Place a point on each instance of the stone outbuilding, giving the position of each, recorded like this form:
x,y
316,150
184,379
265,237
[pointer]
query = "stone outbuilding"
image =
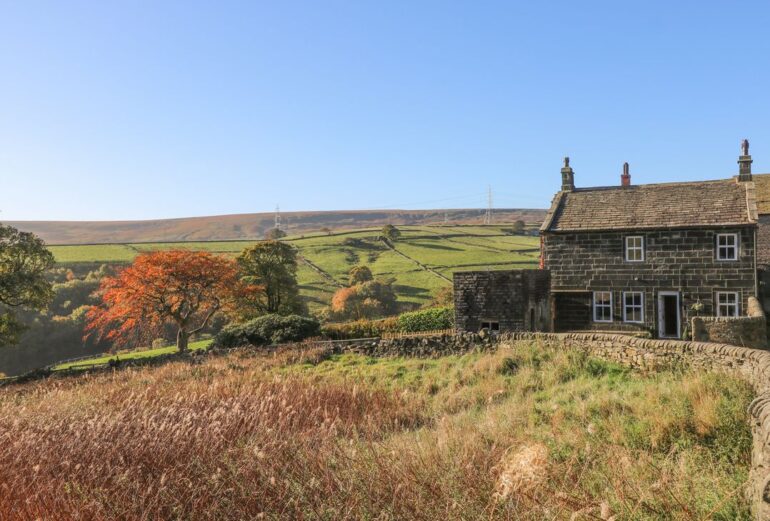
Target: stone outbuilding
x,y
510,300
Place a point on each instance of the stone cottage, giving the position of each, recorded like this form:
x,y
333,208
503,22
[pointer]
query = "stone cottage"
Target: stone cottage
x,y
639,258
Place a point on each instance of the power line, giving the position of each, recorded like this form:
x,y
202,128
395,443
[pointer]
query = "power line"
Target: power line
x,y
488,214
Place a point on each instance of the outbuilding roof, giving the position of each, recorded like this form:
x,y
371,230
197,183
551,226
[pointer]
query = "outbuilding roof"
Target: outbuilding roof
x,y
668,205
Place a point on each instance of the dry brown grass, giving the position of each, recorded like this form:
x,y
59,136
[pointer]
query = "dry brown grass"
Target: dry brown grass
x,y
297,435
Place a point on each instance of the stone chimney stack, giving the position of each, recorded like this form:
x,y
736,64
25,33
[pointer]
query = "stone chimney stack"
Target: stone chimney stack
x,y
744,162
625,178
567,177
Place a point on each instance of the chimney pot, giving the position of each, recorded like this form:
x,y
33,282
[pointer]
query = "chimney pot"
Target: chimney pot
x,y
625,178
744,162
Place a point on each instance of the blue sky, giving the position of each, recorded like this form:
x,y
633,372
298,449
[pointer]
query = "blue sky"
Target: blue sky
x,y
149,109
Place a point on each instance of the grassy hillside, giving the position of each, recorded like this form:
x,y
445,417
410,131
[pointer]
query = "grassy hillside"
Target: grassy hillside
x,y
254,226
527,433
424,257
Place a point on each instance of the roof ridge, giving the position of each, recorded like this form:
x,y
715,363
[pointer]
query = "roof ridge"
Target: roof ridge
x,y
644,185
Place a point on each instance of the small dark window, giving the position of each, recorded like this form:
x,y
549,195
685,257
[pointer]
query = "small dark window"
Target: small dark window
x,y
491,326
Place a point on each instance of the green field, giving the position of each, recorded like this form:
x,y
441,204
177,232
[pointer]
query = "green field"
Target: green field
x,y
137,354
439,249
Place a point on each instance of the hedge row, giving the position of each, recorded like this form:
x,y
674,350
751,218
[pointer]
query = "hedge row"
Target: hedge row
x,y
415,321
276,329
426,320
359,328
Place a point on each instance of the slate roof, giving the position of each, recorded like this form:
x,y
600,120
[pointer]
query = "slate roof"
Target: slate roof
x,y
654,206
762,183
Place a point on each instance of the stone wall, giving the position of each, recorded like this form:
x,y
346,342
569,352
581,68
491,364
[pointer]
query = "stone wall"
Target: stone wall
x,y
675,260
739,331
748,331
516,299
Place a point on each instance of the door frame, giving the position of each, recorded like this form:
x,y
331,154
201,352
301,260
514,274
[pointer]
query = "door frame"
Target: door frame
x,y
661,317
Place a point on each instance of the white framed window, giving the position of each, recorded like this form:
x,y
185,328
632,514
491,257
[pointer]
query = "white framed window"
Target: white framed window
x,y
727,304
633,306
727,246
602,306
634,248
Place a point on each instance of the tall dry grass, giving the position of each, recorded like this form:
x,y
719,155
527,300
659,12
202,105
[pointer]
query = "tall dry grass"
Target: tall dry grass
x,y
528,433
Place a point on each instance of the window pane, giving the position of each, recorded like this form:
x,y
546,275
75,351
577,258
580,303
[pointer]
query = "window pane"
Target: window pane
x,y
602,306
727,304
633,302
634,248
727,247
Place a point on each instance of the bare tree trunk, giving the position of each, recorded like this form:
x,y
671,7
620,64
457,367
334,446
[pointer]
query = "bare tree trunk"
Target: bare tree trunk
x,y
182,340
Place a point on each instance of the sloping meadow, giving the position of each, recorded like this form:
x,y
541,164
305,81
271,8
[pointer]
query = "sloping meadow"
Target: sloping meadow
x,y
528,432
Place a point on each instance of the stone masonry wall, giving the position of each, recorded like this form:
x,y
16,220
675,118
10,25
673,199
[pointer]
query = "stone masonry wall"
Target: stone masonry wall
x,y
573,311
748,331
675,260
516,299
738,331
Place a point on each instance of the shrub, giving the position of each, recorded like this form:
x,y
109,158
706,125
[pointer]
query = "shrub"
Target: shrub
x,y
390,232
267,329
359,275
426,320
359,328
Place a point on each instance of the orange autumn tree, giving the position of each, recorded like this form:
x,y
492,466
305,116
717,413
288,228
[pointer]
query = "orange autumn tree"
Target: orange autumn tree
x,y
179,287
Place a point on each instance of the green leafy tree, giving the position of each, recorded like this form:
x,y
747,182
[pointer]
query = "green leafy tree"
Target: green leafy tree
x,y
359,275
390,232
24,261
271,265
518,226
275,234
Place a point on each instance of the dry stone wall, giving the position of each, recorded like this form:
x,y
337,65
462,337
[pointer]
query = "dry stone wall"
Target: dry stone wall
x,y
748,331
739,331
